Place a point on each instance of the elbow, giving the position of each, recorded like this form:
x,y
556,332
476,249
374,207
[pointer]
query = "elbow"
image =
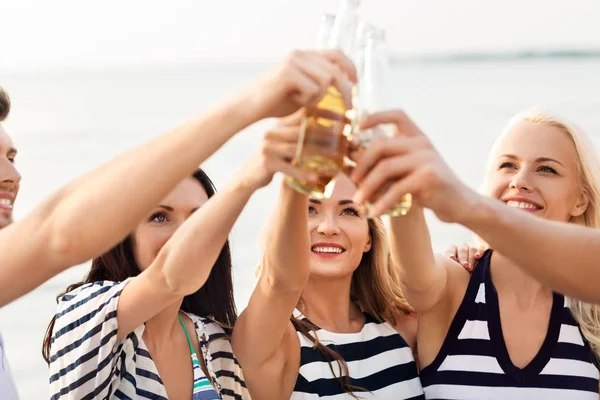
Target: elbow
x,y
63,243
59,232
173,272
286,281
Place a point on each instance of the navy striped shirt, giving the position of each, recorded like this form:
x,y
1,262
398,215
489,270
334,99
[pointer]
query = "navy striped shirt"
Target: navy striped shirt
x,y
473,362
378,358
88,362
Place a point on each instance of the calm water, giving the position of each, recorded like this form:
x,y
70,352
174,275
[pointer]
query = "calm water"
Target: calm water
x,y
67,122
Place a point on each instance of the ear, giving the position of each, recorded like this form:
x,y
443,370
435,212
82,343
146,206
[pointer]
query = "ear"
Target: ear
x,y
582,205
368,245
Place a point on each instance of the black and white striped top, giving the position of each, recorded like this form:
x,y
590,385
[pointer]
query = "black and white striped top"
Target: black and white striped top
x,y
378,358
473,362
87,361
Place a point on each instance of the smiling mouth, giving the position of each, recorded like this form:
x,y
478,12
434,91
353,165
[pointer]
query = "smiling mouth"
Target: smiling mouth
x,y
6,204
327,251
523,205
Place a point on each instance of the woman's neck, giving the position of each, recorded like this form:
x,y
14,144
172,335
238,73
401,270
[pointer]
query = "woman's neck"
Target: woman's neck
x,y
510,280
161,328
326,302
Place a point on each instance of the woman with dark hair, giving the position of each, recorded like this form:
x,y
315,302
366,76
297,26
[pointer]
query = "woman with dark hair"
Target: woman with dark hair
x,y
89,215
162,297
113,336
209,312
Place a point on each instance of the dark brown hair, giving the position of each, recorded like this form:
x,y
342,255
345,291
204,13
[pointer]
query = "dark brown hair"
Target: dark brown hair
x,y
4,104
213,300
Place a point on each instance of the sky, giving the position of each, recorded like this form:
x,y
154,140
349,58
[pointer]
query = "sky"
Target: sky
x,y
76,33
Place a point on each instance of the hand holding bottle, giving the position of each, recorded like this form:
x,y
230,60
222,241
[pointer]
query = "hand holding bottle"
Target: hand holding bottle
x,y
275,154
410,161
302,80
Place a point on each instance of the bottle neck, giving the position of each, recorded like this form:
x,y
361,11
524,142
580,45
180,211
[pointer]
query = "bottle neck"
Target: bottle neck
x,y
344,31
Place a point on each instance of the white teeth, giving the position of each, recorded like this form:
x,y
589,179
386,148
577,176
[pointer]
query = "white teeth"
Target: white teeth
x,y
327,250
5,202
521,204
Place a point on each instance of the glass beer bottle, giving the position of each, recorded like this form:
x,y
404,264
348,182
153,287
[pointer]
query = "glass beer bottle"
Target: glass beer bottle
x,y
374,95
327,127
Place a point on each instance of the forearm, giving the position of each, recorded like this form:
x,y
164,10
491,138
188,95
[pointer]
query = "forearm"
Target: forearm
x,y
423,281
286,261
101,207
88,216
186,260
564,256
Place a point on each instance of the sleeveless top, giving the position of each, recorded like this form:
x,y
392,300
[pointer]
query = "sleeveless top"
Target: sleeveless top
x,y
378,359
473,362
8,389
88,362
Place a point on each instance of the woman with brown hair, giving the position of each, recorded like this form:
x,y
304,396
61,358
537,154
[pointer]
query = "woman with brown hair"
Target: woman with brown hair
x,y
327,317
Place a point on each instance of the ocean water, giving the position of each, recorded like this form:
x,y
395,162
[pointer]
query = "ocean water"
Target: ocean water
x,y
66,122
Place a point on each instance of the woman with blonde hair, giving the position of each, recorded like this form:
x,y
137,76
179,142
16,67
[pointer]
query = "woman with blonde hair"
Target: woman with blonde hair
x,y
497,333
327,317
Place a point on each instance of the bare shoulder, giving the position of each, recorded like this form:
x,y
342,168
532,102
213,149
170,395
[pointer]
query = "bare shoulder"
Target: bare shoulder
x,y
406,326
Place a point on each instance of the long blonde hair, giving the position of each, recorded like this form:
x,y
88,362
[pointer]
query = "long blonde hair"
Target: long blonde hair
x,y
588,168
375,288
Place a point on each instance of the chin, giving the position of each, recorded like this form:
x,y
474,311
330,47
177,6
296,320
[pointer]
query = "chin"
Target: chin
x,y
4,222
332,271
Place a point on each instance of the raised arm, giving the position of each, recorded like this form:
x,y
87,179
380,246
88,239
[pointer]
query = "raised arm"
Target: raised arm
x,y
424,277
184,263
264,339
563,256
91,214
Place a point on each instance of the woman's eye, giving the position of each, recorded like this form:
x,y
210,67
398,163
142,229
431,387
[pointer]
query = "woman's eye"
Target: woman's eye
x,y
507,165
351,211
545,168
158,217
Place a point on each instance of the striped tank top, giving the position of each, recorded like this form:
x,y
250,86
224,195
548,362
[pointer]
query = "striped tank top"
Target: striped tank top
x,y
473,362
378,359
88,362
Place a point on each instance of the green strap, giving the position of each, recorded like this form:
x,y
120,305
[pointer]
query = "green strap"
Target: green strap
x,y
187,335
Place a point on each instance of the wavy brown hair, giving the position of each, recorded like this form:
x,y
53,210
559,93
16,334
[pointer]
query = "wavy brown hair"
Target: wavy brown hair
x,y
213,300
375,288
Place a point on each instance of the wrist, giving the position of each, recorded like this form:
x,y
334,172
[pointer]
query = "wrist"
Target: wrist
x,y
246,105
252,102
475,208
244,186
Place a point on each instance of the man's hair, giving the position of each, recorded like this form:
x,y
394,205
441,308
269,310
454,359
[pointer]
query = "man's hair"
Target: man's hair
x,y
4,104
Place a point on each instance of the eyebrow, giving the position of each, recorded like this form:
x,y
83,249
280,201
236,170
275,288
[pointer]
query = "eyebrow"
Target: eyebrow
x,y
12,150
540,159
341,202
171,209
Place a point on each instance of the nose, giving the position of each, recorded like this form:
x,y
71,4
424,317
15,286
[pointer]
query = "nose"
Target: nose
x,y
328,225
521,181
8,172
